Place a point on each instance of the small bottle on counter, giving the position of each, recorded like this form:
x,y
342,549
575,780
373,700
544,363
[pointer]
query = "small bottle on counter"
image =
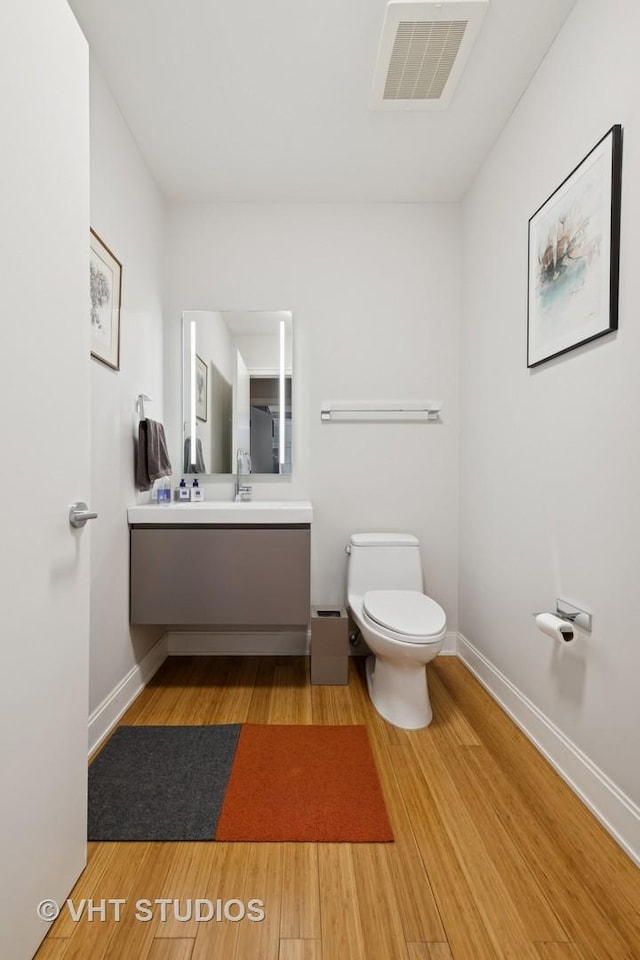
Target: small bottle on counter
x,y
196,491
181,492
164,490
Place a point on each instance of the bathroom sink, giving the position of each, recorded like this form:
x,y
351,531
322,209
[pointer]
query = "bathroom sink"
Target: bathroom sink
x,y
223,511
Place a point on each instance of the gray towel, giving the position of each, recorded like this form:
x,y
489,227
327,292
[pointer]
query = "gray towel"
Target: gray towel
x,y
199,466
153,458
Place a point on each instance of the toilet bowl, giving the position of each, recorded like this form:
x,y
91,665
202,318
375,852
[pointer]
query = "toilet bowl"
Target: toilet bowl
x,y
402,626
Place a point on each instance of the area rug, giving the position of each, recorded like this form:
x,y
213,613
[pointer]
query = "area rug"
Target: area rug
x,y
160,783
304,782
237,782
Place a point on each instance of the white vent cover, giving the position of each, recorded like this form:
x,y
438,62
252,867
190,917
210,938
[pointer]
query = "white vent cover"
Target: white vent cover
x,y
423,50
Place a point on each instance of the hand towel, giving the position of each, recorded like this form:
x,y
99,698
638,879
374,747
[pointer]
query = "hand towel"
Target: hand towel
x,y
198,466
153,457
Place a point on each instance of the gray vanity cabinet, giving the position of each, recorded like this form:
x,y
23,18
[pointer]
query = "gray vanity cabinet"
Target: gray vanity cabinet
x,y
221,575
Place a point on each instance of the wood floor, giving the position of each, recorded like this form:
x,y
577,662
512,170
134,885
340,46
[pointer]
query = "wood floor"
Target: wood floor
x,y
494,857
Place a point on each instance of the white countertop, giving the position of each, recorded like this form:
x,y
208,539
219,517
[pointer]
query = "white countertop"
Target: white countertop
x,y
223,511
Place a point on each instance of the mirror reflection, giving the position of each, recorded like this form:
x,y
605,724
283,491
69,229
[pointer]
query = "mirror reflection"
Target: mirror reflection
x,y
237,387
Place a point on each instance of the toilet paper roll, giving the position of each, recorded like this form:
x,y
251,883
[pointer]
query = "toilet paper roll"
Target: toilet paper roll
x,y
552,626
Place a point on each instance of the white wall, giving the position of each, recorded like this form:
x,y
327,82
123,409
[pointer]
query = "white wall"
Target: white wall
x,y
374,291
260,353
127,212
550,466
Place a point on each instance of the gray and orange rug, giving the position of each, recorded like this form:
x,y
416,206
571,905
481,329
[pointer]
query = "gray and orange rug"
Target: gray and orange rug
x,y
253,782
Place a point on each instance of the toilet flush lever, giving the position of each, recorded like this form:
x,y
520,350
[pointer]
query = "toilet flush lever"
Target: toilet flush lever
x,y
79,513
347,549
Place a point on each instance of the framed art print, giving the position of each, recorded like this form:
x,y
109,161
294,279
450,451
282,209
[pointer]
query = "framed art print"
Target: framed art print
x,y
202,388
574,252
105,288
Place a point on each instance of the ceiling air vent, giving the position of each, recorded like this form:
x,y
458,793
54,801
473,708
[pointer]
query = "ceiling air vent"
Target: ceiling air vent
x,y
423,50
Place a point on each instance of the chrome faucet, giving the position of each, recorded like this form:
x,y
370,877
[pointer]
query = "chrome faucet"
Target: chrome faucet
x,y
243,467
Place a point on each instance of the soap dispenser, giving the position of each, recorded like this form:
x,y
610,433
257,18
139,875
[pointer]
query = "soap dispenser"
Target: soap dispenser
x,y
196,491
182,491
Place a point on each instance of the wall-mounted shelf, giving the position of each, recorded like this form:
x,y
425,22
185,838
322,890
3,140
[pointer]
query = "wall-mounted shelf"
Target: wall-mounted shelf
x,y
380,410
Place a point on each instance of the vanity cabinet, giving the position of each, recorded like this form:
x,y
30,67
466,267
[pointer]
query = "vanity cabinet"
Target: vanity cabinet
x,y
231,575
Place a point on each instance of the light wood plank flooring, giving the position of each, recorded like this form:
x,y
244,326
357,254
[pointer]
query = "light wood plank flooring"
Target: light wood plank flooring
x,y
494,856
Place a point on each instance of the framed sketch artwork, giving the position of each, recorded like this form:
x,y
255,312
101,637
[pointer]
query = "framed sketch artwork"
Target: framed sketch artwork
x,y
201,388
105,288
574,252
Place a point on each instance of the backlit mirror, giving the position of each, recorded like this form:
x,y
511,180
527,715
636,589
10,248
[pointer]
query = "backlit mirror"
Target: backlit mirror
x,y
237,386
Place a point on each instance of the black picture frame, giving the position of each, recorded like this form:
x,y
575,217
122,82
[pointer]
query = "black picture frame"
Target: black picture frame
x,y
574,256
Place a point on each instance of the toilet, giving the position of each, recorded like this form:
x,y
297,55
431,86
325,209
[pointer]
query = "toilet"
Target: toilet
x,y
402,626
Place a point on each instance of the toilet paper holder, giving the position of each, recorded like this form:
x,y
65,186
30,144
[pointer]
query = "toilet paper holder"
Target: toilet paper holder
x,y
575,615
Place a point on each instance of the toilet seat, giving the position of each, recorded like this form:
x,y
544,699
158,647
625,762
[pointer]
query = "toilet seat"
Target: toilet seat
x,y
408,613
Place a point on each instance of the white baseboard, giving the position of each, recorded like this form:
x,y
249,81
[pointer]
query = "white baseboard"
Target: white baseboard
x,y
615,811
105,717
191,643
293,643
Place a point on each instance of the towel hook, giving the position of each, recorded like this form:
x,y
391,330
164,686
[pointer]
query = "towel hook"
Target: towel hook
x,y
141,399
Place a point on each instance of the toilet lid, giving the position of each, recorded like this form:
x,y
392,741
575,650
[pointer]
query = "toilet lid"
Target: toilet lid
x,y
405,611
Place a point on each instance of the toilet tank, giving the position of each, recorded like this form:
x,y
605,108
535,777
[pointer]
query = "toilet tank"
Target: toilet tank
x,y
383,561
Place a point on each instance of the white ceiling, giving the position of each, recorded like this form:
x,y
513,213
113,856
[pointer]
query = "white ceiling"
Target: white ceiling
x,y
268,100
